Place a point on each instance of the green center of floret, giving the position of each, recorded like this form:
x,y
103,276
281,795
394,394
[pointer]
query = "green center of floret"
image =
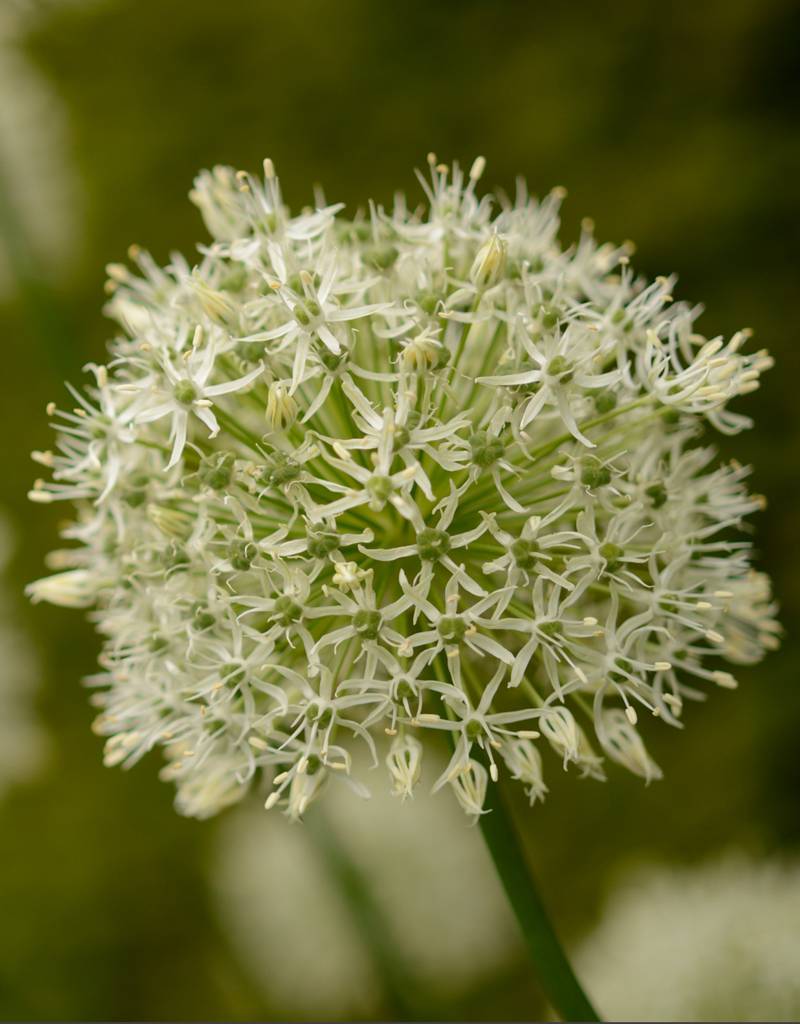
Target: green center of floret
x,y
283,470
185,392
525,553
367,623
432,544
612,553
322,544
486,450
560,366
593,474
217,470
241,554
452,628
286,610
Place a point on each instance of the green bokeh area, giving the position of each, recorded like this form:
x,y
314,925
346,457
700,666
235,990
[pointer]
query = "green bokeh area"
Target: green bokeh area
x,y
673,126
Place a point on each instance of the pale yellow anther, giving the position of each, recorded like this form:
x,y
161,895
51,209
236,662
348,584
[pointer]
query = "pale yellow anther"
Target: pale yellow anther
x,y
477,169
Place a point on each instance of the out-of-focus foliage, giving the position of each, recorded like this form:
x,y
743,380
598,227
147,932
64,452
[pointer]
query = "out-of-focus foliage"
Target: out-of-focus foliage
x,y
674,126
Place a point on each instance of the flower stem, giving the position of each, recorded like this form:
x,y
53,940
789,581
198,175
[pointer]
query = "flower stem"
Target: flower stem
x,y
556,977
553,969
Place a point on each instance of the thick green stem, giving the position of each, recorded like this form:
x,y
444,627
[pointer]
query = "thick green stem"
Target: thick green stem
x,y
555,975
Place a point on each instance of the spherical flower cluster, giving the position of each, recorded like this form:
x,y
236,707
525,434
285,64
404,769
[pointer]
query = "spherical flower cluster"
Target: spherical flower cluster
x,y
419,470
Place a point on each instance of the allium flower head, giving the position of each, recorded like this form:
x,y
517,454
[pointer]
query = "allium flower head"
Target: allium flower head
x,y
423,470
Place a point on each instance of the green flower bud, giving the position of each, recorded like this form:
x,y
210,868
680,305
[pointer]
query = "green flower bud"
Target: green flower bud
x,y
605,401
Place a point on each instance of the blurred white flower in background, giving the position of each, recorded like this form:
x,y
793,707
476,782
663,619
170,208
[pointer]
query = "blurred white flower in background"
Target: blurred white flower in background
x,y
40,193
717,941
22,741
430,876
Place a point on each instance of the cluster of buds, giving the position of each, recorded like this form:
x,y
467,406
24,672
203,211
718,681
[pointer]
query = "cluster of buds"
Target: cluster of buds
x,y
358,481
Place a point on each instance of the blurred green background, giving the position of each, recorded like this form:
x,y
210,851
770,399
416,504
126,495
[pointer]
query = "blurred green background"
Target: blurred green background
x,y
673,125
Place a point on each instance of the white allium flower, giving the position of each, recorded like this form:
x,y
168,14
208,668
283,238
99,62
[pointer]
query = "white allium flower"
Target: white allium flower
x,y
38,178
725,947
407,472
